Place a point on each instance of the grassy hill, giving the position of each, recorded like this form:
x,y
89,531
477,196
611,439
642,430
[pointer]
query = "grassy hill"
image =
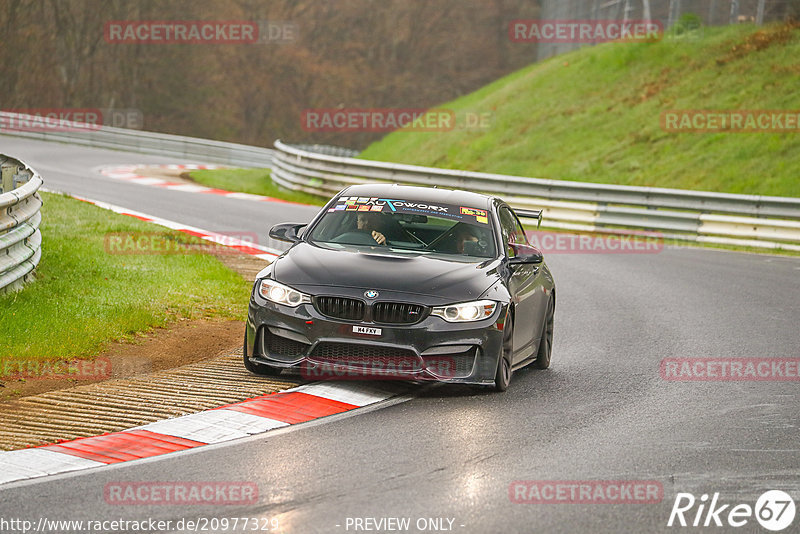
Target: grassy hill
x,y
594,115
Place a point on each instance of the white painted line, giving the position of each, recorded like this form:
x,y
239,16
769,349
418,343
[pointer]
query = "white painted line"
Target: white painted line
x,y
398,398
12,473
351,393
213,426
269,253
129,173
170,224
188,188
141,180
246,196
28,463
111,168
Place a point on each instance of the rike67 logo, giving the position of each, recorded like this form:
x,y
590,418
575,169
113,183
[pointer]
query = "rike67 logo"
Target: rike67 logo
x,y
774,511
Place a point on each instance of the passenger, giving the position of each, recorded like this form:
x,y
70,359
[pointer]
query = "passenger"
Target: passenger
x,y
465,233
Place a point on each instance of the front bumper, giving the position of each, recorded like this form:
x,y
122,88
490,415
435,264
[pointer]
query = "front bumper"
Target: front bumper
x,y
325,348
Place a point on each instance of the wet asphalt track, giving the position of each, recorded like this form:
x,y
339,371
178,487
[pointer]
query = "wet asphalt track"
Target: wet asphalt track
x,y
601,412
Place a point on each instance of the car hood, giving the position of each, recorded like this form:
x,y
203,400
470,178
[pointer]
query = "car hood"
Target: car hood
x,y
307,267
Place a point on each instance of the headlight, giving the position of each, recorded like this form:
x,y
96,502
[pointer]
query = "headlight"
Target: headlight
x,y
281,294
466,311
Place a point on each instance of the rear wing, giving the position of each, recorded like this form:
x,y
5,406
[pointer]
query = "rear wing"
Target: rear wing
x,y
530,214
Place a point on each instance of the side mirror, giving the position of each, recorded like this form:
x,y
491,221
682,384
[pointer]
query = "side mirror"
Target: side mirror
x,y
286,232
525,254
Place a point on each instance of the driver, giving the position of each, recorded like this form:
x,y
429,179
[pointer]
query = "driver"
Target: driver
x,y
370,222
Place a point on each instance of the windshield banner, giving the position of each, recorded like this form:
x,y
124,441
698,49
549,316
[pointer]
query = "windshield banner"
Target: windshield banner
x,y
393,205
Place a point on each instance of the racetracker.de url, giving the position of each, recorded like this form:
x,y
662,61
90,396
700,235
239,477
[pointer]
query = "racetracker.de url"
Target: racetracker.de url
x,y
145,526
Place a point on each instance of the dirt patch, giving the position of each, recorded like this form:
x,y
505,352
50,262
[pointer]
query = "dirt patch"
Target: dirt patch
x,y
247,266
165,173
650,88
119,404
181,343
761,40
184,342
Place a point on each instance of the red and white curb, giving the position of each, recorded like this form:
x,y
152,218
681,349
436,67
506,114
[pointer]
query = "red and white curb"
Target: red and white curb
x,y
245,247
129,173
253,416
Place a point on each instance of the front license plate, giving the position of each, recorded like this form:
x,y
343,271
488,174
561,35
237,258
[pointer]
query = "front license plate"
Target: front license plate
x,y
364,330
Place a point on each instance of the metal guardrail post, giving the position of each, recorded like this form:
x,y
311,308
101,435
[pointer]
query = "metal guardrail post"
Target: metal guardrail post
x,y
21,177
8,171
20,217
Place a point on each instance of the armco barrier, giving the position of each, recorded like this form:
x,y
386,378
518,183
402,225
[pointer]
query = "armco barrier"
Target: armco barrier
x,y
701,216
139,141
20,216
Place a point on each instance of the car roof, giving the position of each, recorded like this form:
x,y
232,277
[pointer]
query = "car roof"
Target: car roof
x,y
419,194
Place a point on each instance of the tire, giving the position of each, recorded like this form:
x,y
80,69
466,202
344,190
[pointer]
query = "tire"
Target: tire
x,y
257,368
502,376
546,344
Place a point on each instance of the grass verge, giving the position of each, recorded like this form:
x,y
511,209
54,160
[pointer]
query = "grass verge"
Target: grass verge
x,y
84,298
594,115
253,181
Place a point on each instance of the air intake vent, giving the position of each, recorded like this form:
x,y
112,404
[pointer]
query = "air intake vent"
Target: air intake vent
x,y
340,308
367,356
397,313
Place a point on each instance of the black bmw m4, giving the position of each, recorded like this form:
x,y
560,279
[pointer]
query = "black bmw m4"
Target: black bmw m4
x,y
400,282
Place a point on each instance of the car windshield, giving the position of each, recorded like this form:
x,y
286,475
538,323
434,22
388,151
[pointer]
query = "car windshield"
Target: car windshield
x,y
406,226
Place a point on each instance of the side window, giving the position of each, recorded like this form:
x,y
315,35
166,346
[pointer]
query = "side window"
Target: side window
x,y
521,237
513,233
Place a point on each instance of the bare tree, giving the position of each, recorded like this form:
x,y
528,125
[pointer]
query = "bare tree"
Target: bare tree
x,y
734,12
